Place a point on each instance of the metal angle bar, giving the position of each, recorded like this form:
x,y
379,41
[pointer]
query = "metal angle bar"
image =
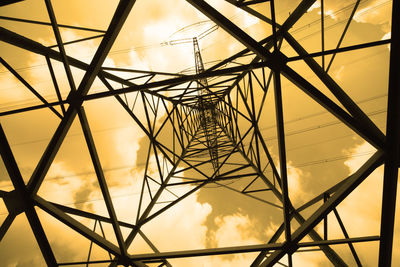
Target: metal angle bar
x,y
30,108
113,30
155,214
251,119
181,123
282,155
256,129
89,215
44,164
325,227
269,157
294,16
250,10
331,254
132,114
333,108
357,178
142,191
170,120
60,44
234,117
35,47
322,34
9,2
183,160
207,252
152,246
320,197
233,171
290,21
344,33
149,207
264,253
28,206
392,145
265,89
340,241
225,178
79,40
340,50
245,249
338,92
278,63
148,187
104,235
91,245
346,235
329,82
230,153
248,195
218,72
250,2
192,166
54,79
151,135
49,24
27,85
26,43
85,262
92,70
254,152
248,67
77,226
101,178
166,189
143,71
184,120
247,186
175,81
174,136
124,105
6,224
3,193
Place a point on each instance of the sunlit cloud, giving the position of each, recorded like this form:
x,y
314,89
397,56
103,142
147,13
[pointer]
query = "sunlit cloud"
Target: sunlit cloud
x,y
185,223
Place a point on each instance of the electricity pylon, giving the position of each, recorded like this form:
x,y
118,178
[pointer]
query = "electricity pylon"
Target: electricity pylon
x,y
206,106
211,119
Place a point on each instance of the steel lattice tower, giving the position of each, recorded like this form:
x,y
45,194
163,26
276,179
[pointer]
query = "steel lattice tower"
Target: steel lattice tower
x,y
208,134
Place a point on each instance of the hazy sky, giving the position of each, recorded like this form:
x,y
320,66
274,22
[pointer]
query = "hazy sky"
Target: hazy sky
x,y
321,151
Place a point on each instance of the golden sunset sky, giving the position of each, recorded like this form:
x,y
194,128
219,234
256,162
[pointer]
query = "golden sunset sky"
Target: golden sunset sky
x,y
321,150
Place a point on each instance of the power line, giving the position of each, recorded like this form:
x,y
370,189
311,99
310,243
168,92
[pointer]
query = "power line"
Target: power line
x,y
156,45
305,164
262,129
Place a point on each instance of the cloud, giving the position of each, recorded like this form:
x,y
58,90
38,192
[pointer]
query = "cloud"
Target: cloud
x,y
373,12
65,183
296,181
184,223
295,184
338,73
387,35
234,230
316,5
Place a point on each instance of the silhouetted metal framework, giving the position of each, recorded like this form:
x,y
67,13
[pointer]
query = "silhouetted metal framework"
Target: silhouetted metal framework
x,y
201,113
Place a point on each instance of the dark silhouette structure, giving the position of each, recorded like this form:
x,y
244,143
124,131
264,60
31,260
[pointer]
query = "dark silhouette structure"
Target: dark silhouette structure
x,y
214,134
